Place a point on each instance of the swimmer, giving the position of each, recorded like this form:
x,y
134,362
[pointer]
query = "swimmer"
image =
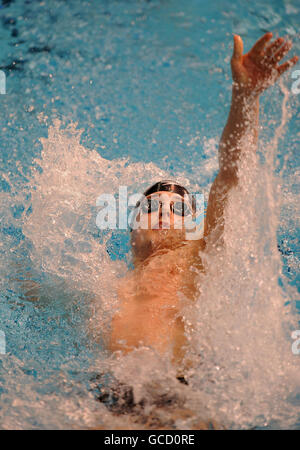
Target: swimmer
x,y
149,311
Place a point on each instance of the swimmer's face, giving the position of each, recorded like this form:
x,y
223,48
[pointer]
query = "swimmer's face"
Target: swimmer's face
x,y
159,222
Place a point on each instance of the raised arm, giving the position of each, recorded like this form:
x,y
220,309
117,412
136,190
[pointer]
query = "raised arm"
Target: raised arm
x,y
252,73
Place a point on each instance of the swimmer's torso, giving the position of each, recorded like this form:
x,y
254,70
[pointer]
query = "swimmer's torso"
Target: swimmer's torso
x,y
150,304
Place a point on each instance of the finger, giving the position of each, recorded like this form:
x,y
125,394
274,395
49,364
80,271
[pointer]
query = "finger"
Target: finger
x,y
281,69
237,48
272,48
260,44
281,53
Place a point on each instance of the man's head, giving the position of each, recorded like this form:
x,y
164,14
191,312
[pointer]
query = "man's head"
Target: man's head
x,y
159,219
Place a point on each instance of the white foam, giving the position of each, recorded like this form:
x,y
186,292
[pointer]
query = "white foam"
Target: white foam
x,y
245,371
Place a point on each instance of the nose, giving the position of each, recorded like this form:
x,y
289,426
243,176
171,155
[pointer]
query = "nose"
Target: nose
x,y
164,209
166,214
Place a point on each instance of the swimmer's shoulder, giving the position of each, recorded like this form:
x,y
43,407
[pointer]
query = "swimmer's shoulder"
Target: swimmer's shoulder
x,y
194,248
126,287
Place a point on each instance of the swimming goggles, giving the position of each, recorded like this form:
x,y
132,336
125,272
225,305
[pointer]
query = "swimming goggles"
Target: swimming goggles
x,y
179,208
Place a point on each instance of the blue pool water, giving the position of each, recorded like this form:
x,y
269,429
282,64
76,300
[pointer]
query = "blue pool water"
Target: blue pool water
x,y
103,93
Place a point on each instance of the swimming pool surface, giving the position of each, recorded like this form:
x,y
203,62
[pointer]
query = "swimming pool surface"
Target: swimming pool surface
x,y
103,93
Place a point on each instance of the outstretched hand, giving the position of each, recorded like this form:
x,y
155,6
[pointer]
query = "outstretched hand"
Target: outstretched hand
x,y
258,69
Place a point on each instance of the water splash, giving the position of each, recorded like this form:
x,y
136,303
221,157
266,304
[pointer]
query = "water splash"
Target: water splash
x,y
244,373
243,319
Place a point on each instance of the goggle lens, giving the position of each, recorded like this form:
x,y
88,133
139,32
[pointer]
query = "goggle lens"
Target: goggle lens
x,y
179,208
